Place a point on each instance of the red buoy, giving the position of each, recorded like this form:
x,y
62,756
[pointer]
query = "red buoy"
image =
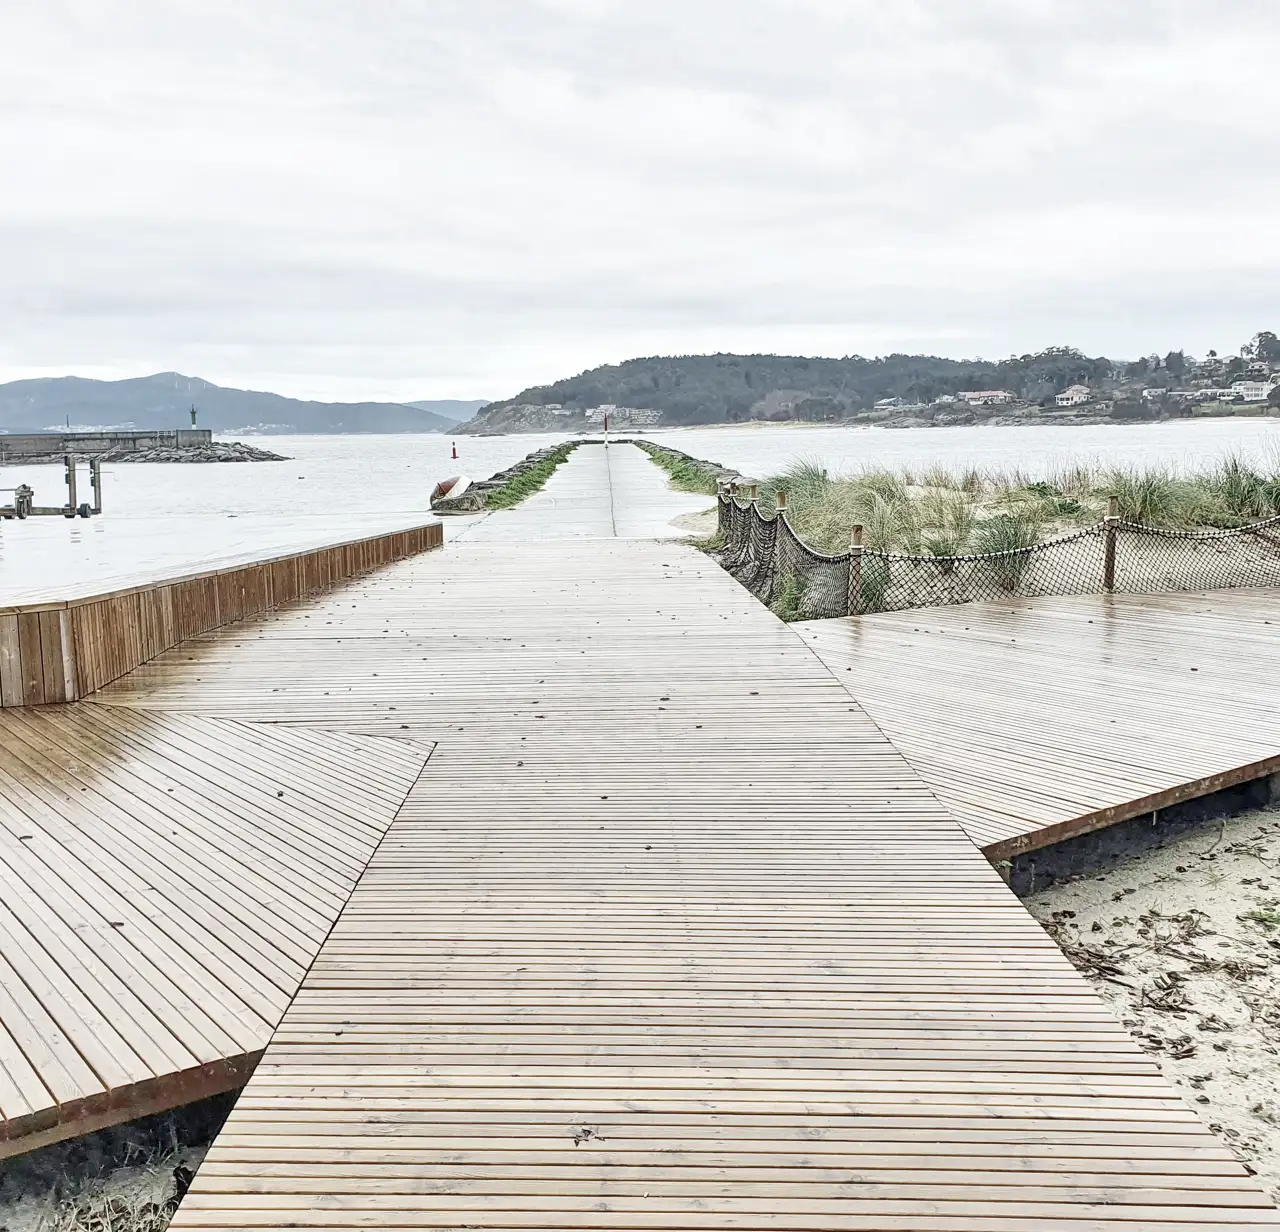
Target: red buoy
x,y
455,449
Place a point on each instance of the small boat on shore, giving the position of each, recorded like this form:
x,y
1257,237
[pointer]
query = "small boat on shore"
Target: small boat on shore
x,y
456,495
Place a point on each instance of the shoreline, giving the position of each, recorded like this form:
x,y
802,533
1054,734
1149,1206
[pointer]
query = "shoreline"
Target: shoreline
x,y
995,421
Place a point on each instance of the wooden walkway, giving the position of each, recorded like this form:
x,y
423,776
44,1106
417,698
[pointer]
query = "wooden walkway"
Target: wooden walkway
x,y
57,649
165,881
666,935
1042,719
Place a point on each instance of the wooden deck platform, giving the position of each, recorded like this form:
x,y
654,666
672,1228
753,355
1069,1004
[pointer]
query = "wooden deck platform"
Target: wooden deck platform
x,y
165,881
1042,719
666,935
669,936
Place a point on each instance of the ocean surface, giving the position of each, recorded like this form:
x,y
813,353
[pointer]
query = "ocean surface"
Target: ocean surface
x,y
167,519
1187,444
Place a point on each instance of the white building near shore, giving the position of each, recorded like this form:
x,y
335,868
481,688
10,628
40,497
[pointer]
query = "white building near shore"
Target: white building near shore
x,y
1075,395
634,416
1252,391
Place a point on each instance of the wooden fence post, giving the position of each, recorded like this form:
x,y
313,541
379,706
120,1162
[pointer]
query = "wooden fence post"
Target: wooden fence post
x,y
855,569
70,462
1110,523
782,502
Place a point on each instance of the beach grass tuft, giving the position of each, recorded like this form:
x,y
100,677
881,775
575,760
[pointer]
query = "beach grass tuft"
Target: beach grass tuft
x,y
941,511
530,481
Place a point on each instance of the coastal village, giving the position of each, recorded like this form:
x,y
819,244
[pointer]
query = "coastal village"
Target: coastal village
x,y
1151,388
1048,390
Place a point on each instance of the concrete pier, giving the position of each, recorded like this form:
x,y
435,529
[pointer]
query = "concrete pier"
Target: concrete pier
x,y
29,446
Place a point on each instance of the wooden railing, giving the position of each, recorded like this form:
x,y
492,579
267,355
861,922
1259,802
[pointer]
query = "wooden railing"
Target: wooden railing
x,y
61,651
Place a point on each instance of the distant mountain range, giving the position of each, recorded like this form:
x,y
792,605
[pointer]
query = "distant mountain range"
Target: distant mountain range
x,y
453,409
165,400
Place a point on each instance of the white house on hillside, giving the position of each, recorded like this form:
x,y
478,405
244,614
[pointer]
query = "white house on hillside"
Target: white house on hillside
x,y
986,397
1075,395
1252,391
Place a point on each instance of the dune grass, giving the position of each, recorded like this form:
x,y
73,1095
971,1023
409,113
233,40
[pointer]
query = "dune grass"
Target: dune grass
x,y
945,512
685,473
530,481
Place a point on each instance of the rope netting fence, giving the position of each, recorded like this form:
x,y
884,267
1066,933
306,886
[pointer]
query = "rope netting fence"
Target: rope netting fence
x,y
767,556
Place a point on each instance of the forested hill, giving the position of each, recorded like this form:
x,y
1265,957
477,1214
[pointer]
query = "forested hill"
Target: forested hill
x,y
691,389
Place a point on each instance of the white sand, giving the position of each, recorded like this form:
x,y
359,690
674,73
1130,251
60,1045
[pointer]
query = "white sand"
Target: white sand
x,y
700,525
1173,941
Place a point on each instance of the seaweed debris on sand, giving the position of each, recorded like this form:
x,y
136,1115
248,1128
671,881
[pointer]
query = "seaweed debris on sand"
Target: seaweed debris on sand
x,y
129,1178
1183,942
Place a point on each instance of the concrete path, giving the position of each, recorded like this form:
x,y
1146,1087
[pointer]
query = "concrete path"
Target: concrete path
x,y
601,492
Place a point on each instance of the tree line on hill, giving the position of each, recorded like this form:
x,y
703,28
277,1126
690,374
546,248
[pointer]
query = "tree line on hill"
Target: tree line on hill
x,y
701,389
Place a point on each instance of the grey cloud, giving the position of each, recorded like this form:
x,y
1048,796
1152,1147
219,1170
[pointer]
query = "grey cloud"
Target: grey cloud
x,y
455,198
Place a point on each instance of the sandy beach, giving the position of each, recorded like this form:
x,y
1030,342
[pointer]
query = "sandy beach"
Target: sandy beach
x,y
1182,941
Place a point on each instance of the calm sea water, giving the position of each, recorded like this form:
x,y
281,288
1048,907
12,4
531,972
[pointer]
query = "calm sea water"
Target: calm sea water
x,y
764,450
167,519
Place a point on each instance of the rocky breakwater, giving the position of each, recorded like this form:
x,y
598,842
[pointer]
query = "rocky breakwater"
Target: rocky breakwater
x,y
687,473
506,487
216,451
511,486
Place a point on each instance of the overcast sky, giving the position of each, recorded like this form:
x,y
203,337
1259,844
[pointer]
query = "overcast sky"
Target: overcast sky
x,y
459,198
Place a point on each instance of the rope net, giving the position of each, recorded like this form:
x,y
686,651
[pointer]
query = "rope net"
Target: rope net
x,y
769,559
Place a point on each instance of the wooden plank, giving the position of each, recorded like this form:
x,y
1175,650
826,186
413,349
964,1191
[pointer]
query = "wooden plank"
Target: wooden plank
x,y
22,1134
66,648
11,685
55,689
30,659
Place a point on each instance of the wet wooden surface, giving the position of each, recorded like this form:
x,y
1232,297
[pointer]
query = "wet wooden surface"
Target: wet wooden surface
x,y
1041,719
165,881
666,935
60,650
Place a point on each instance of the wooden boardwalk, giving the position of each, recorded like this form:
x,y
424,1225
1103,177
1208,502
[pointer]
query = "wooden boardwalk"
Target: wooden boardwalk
x,y
666,935
669,936
55,648
1041,719
165,881
157,907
